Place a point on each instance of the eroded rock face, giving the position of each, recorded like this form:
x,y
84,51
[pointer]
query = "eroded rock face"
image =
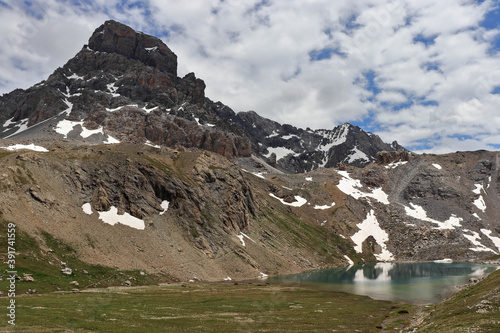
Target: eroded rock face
x,y
125,82
114,37
386,157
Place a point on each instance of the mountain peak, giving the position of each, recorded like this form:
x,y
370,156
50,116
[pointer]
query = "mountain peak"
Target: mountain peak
x,y
115,37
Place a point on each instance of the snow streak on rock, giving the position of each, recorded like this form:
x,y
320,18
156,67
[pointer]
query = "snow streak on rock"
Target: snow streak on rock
x,y
474,239
495,240
479,202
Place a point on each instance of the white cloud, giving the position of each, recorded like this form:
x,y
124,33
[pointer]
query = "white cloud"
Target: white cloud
x,y
256,55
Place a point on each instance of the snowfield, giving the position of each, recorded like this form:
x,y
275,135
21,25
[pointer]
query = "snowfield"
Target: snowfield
x,y
112,217
419,213
352,187
371,227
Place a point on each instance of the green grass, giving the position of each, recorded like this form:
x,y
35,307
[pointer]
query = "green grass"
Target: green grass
x,y
475,309
201,308
302,234
45,266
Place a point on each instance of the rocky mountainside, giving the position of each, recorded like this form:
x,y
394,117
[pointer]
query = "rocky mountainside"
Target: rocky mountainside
x,y
123,87
196,214
187,188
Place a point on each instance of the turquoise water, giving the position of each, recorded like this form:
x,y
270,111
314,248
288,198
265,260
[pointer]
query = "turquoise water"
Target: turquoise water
x,y
417,283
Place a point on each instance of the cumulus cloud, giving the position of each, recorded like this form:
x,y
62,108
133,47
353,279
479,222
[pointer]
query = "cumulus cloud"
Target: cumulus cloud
x,y
424,73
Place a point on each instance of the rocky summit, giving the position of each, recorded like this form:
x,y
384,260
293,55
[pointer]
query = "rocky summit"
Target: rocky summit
x,y
147,173
123,87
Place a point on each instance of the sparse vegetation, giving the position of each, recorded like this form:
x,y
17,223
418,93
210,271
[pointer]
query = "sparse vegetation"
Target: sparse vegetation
x,y
45,266
474,309
202,308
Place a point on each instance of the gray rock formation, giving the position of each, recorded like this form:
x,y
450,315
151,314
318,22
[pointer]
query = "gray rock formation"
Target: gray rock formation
x,y
123,85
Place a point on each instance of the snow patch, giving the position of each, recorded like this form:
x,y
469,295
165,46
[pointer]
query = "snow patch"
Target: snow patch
x,y
495,240
325,206
227,279
66,126
299,201
31,146
110,140
394,165
444,261
280,152
241,239
87,209
352,187
336,139
8,122
419,213
120,107
309,179
290,136
437,166
479,202
259,174
164,206
474,239
112,89
150,110
273,134
74,76
241,236
351,263
371,227
356,155
262,276
148,143
23,126
112,217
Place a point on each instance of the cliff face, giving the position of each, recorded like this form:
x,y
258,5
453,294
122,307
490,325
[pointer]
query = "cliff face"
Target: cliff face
x,y
183,214
123,86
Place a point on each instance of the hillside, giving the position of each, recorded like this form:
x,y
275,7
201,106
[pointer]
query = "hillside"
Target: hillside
x,y
198,215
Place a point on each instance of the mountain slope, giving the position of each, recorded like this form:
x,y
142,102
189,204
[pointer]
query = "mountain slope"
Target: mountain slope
x,y
123,86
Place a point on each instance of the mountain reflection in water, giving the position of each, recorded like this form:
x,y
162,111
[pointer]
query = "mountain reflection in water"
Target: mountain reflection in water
x,y
409,282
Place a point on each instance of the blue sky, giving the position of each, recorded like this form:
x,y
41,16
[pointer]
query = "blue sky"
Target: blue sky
x,y
425,73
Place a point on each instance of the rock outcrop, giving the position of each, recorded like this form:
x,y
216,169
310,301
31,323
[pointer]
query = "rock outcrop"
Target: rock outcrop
x,y
123,86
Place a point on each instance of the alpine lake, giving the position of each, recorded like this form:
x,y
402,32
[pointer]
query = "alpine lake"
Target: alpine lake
x,y
415,283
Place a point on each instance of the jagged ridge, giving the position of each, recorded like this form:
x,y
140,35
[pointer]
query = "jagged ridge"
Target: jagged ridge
x,y
123,86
